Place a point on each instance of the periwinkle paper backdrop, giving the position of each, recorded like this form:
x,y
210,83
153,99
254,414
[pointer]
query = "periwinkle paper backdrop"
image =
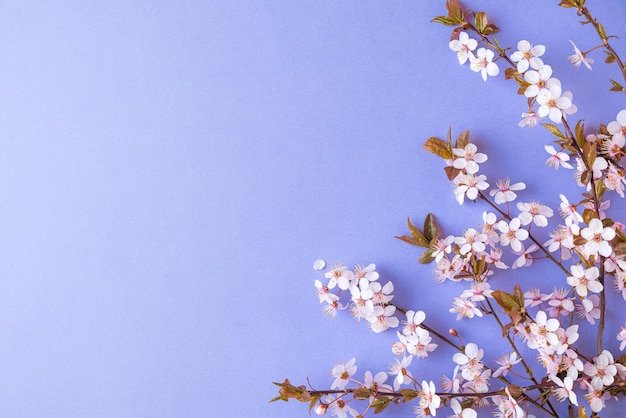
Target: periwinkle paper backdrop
x,y
171,170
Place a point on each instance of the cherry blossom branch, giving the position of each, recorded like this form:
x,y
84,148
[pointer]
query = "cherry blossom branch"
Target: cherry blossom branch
x,y
532,238
584,11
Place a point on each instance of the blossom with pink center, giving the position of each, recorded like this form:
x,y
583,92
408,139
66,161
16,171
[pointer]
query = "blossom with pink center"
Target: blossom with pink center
x,y
471,241
340,276
543,331
614,180
530,119
470,361
512,234
464,308
584,280
413,321
595,398
478,291
338,407
483,63
534,212
468,158
525,258
534,297
568,211
528,56
602,371
598,238
506,191
613,146
580,58
441,247
469,185
463,47
589,309
557,159
561,304
506,362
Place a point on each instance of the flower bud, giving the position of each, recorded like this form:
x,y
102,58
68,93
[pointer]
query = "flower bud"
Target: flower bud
x,y
321,408
453,332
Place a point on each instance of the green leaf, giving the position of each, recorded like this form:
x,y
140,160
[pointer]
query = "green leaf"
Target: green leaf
x,y
610,58
589,152
444,21
616,86
431,229
480,19
567,4
426,257
408,394
554,130
379,405
409,240
579,131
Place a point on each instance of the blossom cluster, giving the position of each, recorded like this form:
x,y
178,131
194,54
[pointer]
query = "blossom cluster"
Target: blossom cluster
x,y
586,246
369,300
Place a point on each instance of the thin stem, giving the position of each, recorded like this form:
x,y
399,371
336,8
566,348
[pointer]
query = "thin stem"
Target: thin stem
x,y
583,11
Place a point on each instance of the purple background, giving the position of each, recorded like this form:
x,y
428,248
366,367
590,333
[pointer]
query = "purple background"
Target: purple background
x,y
171,170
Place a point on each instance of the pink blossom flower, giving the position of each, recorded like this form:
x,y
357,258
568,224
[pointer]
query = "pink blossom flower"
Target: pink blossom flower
x,y
557,159
589,309
506,362
506,191
465,308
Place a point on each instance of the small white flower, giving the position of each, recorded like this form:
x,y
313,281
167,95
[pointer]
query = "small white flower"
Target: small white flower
x,y
528,56
506,191
468,158
580,57
463,47
483,63
557,159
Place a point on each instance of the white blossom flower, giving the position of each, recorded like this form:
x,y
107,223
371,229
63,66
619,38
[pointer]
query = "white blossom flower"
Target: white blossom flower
x,y
470,361
598,238
471,241
614,180
529,119
617,128
429,400
539,81
568,211
584,280
557,159
580,57
621,337
506,362
528,56
589,309
342,373
483,63
602,371
463,47
506,191
459,412
465,308
512,234
469,185
534,212
399,369
376,383
552,103
468,158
